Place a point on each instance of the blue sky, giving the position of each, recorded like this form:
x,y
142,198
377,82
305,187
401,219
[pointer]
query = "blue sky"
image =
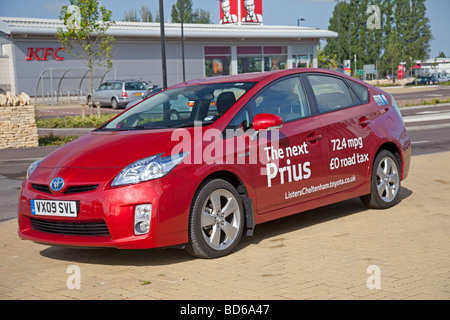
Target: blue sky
x,y
276,12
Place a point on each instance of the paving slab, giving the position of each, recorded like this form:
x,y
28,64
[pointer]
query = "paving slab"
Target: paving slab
x,y
342,251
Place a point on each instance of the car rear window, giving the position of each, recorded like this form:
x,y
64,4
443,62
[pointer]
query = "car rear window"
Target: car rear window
x,y
135,86
331,93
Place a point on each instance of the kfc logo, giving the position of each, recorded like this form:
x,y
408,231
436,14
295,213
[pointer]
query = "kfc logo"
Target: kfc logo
x,y
253,10
241,11
42,54
227,16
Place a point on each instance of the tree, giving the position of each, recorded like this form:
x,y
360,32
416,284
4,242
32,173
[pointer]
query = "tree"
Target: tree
x,y
130,16
145,15
353,20
326,62
393,52
201,16
189,15
85,37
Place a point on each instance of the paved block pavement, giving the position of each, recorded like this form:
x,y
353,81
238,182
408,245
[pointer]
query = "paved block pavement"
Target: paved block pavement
x,y
341,251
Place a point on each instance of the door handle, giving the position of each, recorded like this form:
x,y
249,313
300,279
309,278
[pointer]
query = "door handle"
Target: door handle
x,y
363,122
312,138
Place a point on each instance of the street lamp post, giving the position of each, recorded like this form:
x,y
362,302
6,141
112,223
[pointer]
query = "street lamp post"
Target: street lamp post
x,y
163,44
339,33
182,39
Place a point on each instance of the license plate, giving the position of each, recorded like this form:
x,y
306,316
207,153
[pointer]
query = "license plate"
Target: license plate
x,y
54,208
138,94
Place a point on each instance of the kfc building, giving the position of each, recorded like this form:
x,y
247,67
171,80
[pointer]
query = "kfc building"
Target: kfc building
x,y
33,61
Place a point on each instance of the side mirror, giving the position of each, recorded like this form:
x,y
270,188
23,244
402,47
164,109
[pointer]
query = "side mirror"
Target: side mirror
x,y
267,121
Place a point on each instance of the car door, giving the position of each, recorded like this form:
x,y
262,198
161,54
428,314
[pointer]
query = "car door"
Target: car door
x,y
347,137
99,93
288,163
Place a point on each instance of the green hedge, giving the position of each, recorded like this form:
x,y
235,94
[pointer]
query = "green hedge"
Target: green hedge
x,y
74,121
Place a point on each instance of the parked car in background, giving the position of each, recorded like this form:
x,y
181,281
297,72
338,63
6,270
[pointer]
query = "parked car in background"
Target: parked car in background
x,y
441,77
420,81
151,91
117,93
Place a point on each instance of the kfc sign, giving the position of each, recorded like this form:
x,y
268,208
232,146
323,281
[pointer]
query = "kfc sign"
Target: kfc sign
x,y
42,54
241,11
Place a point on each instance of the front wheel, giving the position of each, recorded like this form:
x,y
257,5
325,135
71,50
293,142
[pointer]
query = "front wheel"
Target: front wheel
x,y
385,182
216,220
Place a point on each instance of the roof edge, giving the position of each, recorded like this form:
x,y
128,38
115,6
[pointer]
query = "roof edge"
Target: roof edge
x,y
46,27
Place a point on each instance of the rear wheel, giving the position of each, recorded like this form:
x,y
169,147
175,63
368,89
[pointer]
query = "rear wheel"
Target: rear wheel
x,y
385,184
114,103
216,220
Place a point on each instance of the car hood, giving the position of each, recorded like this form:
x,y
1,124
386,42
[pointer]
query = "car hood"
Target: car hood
x,y
109,149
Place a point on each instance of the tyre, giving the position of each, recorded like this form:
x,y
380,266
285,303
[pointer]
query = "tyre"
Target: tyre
x,y
385,182
114,103
174,115
216,220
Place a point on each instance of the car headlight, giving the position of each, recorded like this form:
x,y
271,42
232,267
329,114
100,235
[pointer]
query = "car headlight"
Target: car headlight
x,y
146,169
32,167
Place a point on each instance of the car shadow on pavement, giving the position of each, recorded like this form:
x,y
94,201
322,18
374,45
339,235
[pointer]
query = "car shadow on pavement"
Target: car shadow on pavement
x,y
168,256
306,219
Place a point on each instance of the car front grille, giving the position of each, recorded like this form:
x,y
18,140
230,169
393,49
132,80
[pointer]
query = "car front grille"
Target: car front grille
x,y
70,190
98,228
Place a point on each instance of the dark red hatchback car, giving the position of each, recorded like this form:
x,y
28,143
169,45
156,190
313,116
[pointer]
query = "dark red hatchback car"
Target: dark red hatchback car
x,y
203,162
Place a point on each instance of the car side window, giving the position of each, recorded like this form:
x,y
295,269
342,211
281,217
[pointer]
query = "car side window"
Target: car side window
x,y
102,87
331,93
117,86
361,91
242,120
286,99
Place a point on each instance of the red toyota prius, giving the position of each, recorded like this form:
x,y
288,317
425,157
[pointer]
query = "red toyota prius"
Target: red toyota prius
x,y
203,162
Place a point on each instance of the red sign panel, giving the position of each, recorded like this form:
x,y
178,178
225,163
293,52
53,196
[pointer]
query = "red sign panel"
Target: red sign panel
x,y
229,11
42,54
400,71
251,11
241,11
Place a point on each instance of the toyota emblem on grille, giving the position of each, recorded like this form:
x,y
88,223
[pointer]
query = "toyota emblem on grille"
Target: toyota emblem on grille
x,y
57,184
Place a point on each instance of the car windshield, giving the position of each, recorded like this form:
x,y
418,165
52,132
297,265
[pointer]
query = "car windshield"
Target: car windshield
x,y
181,107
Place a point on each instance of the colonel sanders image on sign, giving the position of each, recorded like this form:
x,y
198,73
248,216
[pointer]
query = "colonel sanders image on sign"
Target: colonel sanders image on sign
x,y
251,16
228,17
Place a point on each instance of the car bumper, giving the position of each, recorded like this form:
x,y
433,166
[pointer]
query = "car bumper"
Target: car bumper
x,y
108,215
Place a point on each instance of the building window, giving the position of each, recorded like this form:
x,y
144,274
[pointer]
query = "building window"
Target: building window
x,y
217,61
274,58
249,59
302,56
257,58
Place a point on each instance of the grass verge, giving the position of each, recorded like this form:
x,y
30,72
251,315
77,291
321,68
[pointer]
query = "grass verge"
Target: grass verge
x,y
74,121
52,140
